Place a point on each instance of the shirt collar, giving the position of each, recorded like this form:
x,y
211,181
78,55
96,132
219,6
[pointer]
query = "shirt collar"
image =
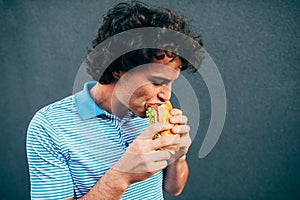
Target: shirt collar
x,y
86,106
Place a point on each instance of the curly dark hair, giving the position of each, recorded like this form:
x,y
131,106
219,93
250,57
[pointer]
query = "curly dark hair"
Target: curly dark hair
x,y
131,15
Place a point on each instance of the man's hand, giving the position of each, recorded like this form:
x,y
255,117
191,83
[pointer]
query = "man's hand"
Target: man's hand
x,y
176,173
143,158
183,130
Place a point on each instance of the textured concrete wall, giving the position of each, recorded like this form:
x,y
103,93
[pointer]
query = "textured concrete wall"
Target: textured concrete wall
x,y
255,45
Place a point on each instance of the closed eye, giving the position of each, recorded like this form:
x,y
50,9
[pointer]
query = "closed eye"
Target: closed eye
x,y
159,83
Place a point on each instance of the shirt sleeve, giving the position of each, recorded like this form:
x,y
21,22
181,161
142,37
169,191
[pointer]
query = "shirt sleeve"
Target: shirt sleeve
x,y
50,176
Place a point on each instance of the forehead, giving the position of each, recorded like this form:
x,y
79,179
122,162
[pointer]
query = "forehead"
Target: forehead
x,y
167,68
159,70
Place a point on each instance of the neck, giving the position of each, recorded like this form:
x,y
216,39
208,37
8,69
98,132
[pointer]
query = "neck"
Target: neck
x,y
103,97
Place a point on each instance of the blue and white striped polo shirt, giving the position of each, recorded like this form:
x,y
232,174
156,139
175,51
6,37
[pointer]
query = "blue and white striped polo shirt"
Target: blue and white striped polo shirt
x,y
72,143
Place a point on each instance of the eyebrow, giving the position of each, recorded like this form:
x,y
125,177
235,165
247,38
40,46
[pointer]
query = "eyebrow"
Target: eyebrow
x,y
161,78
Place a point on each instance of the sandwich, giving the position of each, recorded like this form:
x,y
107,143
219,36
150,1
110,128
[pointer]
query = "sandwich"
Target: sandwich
x,y
161,113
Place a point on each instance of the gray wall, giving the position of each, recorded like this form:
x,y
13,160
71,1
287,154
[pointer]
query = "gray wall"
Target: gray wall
x,y
255,45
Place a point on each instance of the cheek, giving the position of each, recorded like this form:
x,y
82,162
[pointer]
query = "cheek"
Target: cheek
x,y
145,93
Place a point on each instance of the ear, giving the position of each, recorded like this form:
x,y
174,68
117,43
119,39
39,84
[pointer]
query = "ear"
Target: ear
x,y
118,74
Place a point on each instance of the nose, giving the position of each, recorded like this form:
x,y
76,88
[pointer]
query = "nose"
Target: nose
x,y
165,93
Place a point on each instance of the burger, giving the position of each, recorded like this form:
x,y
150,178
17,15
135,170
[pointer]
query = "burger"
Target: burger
x,y
157,112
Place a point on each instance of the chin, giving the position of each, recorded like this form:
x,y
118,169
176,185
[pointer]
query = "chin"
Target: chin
x,y
143,116
141,113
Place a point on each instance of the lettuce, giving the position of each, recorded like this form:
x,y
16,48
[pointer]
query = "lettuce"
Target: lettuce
x,y
150,113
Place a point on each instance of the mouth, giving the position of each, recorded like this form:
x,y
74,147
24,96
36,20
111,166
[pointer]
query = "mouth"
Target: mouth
x,y
147,105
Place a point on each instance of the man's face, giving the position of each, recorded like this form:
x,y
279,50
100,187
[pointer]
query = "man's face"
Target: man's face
x,y
145,84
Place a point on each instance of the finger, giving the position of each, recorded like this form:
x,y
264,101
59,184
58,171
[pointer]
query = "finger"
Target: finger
x,y
181,129
156,156
154,128
175,111
185,142
165,141
179,119
159,165
154,160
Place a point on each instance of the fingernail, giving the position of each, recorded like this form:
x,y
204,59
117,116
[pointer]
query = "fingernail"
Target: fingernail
x,y
172,119
175,129
171,151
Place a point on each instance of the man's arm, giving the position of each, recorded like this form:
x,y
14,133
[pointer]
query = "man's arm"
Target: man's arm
x,y
138,163
177,172
112,185
49,173
176,175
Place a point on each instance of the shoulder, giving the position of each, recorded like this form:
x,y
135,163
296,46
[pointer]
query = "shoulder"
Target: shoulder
x,y
54,112
62,106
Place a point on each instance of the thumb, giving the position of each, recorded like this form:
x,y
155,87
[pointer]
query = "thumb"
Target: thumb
x,y
153,129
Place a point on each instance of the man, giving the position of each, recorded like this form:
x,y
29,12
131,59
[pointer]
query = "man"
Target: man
x,y
97,144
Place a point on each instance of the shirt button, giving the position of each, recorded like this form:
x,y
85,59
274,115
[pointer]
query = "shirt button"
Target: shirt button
x,y
126,144
103,116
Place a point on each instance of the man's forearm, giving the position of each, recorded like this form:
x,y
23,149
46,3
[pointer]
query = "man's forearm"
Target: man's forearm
x,y
176,176
112,185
